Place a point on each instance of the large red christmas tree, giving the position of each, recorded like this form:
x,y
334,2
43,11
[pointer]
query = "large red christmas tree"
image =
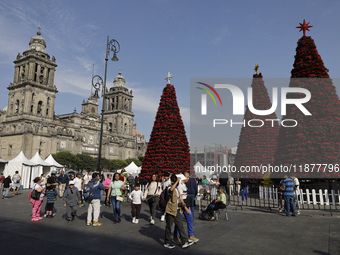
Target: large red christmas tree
x,y
257,145
168,148
316,138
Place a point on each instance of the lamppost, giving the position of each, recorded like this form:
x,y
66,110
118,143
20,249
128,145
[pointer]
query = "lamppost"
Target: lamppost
x,y
97,81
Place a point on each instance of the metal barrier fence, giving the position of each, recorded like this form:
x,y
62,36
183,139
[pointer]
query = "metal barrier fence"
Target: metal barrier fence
x,y
311,197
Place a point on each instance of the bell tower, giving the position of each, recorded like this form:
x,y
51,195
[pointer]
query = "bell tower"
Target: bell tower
x,y
32,91
118,107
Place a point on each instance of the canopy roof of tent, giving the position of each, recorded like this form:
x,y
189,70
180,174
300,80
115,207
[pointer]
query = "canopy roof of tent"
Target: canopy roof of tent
x,y
39,161
21,159
50,160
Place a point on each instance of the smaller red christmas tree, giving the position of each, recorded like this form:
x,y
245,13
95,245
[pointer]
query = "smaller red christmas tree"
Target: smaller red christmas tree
x,y
257,145
168,148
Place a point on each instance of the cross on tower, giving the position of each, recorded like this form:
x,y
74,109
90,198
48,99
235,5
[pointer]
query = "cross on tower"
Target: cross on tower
x,y
304,26
39,33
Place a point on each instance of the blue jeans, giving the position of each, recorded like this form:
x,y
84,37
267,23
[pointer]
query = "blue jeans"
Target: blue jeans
x,y
191,198
116,207
5,193
289,205
245,193
189,219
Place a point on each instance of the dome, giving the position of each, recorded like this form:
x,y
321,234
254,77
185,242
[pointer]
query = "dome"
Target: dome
x,y
119,80
37,43
136,133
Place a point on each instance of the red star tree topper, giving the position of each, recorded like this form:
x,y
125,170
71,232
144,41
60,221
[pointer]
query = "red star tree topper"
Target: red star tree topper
x,y
257,146
316,138
168,148
304,26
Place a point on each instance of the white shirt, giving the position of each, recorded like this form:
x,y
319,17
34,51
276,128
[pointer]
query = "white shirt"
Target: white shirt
x,y
183,190
136,197
78,183
87,178
166,184
297,185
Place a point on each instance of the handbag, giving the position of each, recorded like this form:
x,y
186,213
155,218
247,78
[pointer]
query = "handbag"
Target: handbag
x,y
120,199
35,194
152,198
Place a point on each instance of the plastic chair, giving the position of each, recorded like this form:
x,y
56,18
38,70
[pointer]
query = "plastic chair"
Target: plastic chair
x,y
225,212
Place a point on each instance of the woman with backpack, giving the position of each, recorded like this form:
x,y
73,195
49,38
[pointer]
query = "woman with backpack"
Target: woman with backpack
x,y
151,195
115,188
36,197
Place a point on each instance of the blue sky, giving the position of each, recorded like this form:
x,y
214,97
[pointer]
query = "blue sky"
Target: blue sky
x,y
190,39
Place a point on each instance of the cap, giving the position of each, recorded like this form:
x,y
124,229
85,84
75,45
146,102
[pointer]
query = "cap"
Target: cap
x,y
214,177
71,183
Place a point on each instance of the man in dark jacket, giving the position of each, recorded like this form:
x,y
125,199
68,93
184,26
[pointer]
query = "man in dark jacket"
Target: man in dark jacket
x,y
94,205
62,180
192,191
71,198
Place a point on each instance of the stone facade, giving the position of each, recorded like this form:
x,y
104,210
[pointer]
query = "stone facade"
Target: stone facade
x,y
28,122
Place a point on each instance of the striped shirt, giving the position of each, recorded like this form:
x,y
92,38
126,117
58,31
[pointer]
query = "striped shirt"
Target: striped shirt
x,y
289,187
51,194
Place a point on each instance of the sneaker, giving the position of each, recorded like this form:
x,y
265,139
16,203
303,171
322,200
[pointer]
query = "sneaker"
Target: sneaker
x,y
152,222
89,224
187,244
162,218
284,214
298,213
45,215
119,220
115,221
280,210
134,220
51,216
34,219
137,220
176,240
194,239
39,218
96,224
169,246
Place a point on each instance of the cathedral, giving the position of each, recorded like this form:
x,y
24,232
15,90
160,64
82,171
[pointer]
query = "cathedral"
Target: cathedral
x,y
29,124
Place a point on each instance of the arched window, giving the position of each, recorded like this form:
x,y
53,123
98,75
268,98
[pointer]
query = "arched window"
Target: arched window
x,y
48,100
17,106
33,95
39,107
47,112
113,104
31,108
125,127
110,127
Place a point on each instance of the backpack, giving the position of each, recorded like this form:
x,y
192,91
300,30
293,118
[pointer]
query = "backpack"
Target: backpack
x,y
89,191
163,199
204,216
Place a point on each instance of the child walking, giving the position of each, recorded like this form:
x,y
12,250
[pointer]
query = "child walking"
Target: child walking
x,y
51,195
136,197
71,199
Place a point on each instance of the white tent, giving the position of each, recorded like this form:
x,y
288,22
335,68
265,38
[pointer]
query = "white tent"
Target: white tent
x,y
43,167
55,166
133,169
3,163
25,168
200,170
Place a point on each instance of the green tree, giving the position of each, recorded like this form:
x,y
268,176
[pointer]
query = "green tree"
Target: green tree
x,y
136,161
118,164
86,162
67,159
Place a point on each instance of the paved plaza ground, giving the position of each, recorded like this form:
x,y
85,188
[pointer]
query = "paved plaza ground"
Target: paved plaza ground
x,y
248,231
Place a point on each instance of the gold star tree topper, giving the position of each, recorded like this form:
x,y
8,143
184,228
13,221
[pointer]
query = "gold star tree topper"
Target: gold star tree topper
x,y
256,69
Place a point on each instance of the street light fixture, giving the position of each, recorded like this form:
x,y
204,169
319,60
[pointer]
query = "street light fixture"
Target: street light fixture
x,y
97,81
